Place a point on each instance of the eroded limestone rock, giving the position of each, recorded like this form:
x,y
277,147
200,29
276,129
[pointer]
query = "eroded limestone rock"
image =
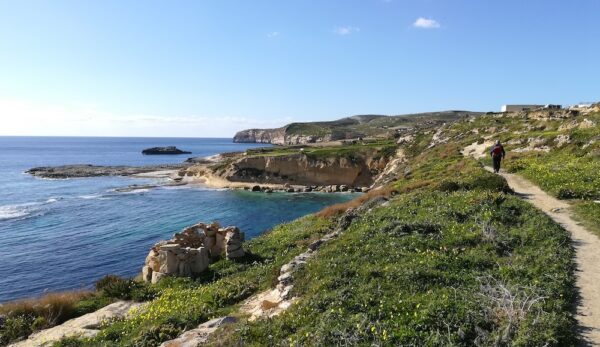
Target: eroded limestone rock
x,y
188,252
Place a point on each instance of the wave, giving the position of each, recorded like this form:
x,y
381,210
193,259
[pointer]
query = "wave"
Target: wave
x,y
90,196
136,191
21,211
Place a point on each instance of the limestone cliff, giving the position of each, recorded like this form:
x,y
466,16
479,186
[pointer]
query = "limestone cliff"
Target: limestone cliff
x,y
358,170
274,136
279,136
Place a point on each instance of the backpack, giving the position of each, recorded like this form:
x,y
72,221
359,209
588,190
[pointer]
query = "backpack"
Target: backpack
x,y
497,151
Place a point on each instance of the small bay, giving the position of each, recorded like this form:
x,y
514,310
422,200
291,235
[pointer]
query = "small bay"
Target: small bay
x,y
66,234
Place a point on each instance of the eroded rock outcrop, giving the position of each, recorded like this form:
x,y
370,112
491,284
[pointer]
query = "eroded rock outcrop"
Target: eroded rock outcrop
x,y
188,253
300,169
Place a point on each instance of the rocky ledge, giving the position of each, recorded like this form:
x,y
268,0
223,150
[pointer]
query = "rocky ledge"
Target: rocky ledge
x,y
164,150
86,170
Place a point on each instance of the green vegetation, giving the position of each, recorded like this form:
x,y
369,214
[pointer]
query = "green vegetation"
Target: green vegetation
x,y
24,317
377,148
369,126
564,175
434,269
588,212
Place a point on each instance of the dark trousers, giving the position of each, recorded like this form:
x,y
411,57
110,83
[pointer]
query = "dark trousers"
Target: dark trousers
x,y
497,161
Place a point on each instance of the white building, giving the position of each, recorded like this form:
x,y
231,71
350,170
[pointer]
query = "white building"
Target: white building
x,y
517,108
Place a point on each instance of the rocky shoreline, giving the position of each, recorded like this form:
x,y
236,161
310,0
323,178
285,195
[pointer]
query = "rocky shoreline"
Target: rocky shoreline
x,y
88,170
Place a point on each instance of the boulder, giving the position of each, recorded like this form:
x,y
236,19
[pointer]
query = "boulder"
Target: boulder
x,y
256,188
188,252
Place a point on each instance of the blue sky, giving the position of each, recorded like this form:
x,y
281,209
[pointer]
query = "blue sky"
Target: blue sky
x,y
210,68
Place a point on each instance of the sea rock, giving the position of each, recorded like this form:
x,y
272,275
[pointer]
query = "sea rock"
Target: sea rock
x,y
164,150
256,188
188,253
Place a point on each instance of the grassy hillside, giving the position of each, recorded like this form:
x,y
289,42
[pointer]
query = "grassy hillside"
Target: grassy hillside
x,y
561,155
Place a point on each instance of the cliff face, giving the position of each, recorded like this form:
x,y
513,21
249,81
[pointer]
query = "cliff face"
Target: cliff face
x,y
274,136
303,170
279,136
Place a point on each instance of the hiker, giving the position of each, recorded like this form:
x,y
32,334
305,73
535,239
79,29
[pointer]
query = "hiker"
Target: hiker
x,y
497,154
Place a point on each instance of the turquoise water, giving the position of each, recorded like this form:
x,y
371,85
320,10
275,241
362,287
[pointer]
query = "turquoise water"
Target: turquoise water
x,y
65,234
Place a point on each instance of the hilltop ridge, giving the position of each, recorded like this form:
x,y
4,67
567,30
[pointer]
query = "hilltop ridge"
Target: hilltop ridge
x,y
358,126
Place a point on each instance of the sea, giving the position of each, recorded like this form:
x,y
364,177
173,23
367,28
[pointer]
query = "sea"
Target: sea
x,y
63,234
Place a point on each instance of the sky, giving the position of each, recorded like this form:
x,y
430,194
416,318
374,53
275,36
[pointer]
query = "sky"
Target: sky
x,y
211,68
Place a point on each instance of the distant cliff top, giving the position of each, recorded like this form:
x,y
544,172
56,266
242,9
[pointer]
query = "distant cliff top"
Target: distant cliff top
x,y
346,128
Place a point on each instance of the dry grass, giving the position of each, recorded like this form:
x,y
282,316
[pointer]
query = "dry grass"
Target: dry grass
x,y
53,307
338,209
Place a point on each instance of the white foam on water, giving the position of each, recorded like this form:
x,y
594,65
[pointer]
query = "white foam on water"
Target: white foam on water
x,y
90,196
18,211
136,191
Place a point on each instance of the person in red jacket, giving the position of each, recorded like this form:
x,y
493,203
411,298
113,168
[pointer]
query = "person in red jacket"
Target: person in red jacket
x,y
497,154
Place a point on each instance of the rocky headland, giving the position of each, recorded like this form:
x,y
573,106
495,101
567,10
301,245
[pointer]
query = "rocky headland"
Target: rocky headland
x,y
355,127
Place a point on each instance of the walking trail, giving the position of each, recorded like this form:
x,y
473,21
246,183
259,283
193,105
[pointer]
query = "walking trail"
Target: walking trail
x,y
586,244
587,248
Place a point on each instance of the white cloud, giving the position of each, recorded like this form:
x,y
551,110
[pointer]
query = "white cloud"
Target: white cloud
x,y
24,118
426,23
273,34
346,30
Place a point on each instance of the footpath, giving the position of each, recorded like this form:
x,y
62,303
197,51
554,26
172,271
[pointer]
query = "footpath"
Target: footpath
x,y
587,250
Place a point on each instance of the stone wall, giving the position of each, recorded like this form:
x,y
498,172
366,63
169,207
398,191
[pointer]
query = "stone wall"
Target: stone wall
x,y
189,252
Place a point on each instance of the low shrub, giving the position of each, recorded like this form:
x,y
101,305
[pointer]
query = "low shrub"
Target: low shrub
x,y
15,328
154,336
26,316
116,287
338,209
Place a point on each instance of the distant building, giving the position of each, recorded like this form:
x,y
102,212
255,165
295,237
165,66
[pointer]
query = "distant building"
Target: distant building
x,y
583,105
553,107
517,108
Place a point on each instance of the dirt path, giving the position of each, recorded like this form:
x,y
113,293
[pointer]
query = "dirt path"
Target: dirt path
x,y
587,247
586,244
